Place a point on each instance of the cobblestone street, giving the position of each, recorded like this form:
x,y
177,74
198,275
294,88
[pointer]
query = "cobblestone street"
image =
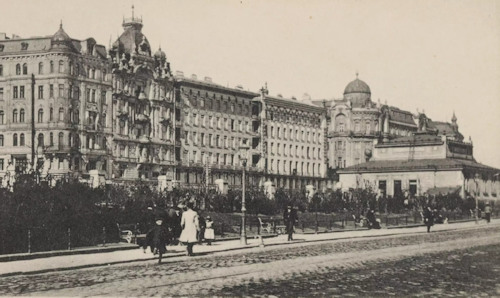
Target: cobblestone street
x,y
457,263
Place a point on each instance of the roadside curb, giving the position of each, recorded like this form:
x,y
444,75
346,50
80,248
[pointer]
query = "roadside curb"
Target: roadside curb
x,y
250,246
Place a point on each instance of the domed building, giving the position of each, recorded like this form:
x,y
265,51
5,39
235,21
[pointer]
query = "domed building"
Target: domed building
x,y
144,145
353,125
358,93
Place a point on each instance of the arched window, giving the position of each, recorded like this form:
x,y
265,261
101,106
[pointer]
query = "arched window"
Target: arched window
x,y
70,67
40,140
77,69
14,140
340,121
18,69
51,139
14,116
21,140
103,75
61,114
1,117
60,140
40,115
40,68
51,114
1,70
21,116
61,66
25,69
1,140
51,66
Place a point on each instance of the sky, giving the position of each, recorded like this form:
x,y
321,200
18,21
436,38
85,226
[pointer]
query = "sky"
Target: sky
x,y
437,56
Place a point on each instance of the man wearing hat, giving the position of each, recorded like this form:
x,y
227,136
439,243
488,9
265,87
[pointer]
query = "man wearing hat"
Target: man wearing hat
x,y
157,238
290,218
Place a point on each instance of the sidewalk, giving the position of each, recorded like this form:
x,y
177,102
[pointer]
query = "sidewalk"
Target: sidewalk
x,y
103,258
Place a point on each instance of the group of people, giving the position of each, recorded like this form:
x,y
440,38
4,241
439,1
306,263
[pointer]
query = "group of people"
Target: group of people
x,y
186,227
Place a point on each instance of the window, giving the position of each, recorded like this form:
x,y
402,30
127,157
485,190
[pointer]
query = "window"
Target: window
x,y
1,70
51,114
21,91
413,187
93,95
40,140
40,92
18,69
51,91
104,75
51,66
25,69
40,68
61,114
40,115
1,93
15,93
60,141
1,159
14,116
367,127
398,192
21,139
382,186
1,117
1,140
61,66
51,139
21,116
14,140
61,90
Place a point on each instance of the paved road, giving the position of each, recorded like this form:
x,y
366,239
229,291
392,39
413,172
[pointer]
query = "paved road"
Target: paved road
x,y
462,263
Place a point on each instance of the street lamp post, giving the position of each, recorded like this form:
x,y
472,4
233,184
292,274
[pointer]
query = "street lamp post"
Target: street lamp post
x,y
243,157
476,179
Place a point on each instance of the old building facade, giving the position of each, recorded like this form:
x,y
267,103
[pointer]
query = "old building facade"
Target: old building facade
x,y
143,123
291,135
72,93
216,121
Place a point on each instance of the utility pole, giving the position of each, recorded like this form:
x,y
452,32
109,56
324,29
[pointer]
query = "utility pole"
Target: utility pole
x,y
32,121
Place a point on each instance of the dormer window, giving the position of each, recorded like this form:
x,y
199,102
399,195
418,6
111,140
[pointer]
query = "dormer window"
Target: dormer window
x,y
24,46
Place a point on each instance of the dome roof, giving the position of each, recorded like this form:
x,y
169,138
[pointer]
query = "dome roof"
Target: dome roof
x,y
60,36
357,86
160,54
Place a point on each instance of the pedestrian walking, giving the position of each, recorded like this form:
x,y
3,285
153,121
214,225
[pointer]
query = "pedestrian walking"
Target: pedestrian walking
x,y
157,239
428,218
209,230
190,228
201,231
290,218
487,212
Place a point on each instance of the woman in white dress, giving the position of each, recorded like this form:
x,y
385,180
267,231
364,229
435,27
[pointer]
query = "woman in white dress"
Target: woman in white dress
x,y
190,228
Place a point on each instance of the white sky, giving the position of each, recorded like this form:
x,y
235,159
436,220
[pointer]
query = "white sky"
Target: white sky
x,y
433,55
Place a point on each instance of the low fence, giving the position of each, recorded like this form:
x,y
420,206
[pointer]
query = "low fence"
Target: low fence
x,y
38,239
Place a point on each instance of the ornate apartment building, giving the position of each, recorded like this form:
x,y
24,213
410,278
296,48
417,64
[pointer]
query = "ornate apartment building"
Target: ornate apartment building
x,y
144,124
72,91
292,137
216,121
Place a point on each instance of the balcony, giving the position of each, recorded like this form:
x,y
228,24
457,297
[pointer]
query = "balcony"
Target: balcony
x,y
141,118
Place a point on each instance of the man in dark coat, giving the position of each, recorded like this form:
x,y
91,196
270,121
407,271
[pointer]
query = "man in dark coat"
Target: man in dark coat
x,y
290,218
174,222
428,218
157,239
372,220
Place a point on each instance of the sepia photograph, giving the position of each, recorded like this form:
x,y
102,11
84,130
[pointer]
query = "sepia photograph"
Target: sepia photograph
x,y
234,148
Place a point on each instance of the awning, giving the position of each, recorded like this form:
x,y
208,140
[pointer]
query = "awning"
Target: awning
x,y
443,190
